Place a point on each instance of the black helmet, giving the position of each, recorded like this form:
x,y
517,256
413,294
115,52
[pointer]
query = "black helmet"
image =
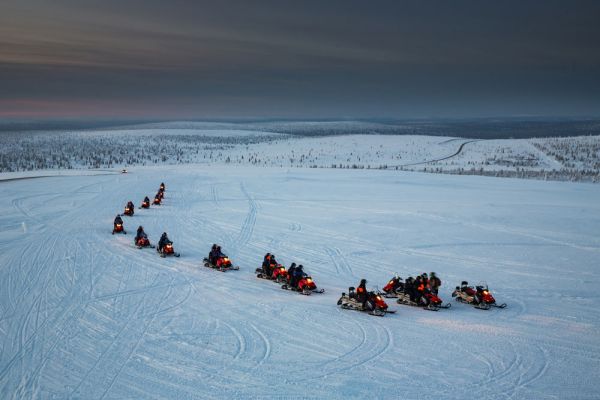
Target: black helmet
x,y
300,266
293,265
363,281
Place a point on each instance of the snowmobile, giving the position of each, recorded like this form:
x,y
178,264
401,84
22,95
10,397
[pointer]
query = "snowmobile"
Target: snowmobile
x,y
128,211
305,285
157,200
393,288
260,272
160,194
223,264
428,301
118,228
280,274
167,251
479,297
162,187
375,305
145,204
142,242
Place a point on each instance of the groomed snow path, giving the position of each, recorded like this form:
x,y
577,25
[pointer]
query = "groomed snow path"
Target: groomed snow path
x,y
86,315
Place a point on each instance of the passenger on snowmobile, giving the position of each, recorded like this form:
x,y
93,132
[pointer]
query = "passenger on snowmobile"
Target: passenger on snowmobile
x,y
118,225
291,270
213,255
425,280
419,288
409,288
298,274
267,265
434,283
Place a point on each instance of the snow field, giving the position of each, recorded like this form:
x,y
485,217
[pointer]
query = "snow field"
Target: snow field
x,y
85,314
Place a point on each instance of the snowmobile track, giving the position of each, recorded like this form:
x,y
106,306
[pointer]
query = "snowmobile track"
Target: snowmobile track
x,y
339,261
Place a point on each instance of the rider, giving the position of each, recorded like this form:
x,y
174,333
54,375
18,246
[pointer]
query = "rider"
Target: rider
x,y
146,200
164,240
140,234
118,221
220,256
361,292
419,289
213,255
297,275
434,283
266,265
409,288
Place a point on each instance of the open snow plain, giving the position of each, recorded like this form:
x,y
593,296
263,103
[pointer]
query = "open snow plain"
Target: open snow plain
x,y
85,314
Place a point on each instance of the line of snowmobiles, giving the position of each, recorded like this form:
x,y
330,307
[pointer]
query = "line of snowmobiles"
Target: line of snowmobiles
x,y
141,240
414,292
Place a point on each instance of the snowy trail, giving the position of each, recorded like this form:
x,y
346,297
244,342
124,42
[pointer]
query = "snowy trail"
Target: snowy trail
x,y
85,314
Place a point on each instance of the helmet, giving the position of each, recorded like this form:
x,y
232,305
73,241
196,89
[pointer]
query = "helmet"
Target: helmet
x,y
293,265
363,281
300,266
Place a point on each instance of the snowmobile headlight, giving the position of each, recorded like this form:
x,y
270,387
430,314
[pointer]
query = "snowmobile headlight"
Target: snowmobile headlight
x,y
308,280
378,298
486,292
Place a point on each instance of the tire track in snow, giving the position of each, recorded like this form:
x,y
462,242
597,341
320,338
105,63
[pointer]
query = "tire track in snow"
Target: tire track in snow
x,y
375,340
339,261
214,192
248,225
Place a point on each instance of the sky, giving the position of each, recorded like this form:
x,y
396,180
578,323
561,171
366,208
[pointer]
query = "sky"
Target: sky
x,y
299,59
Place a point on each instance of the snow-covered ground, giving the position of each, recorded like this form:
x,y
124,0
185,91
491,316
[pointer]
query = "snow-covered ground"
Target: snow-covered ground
x,y
571,158
85,314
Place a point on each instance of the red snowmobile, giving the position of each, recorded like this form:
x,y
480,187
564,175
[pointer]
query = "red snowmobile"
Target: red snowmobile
x,y
128,210
145,204
305,285
142,242
479,297
428,300
393,287
118,228
160,194
167,250
221,264
280,274
157,200
375,305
